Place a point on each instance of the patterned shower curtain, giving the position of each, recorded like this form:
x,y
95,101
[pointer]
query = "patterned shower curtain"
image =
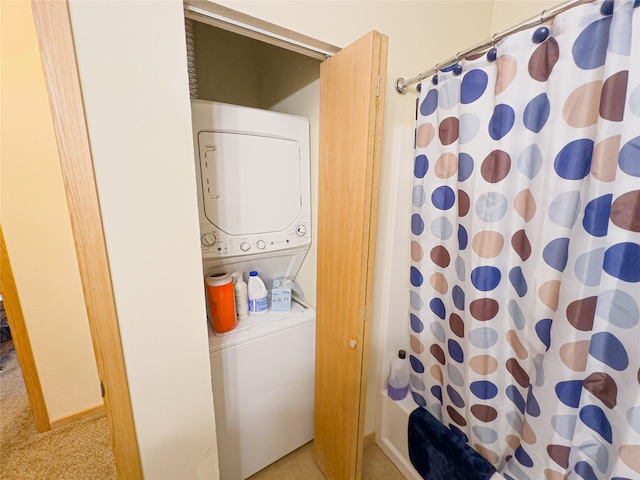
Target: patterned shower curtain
x,y
525,297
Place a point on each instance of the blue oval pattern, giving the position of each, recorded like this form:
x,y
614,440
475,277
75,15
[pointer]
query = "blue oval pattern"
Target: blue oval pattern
x,y
430,103
458,297
623,261
465,166
574,160
484,389
417,225
420,166
455,397
443,197
485,278
455,351
473,86
436,391
543,329
523,457
590,48
628,157
585,471
416,324
516,277
556,253
596,215
536,113
437,306
609,350
416,277
515,396
463,238
416,364
594,418
569,392
501,121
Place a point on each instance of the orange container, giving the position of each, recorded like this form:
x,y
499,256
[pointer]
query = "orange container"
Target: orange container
x,y
222,302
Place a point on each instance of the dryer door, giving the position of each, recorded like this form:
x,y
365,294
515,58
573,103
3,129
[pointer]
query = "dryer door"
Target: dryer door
x,y
250,184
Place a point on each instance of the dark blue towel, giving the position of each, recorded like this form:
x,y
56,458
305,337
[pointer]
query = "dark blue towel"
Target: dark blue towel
x,y
437,453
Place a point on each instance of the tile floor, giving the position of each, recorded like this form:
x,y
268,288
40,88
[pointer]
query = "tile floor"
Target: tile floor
x,y
299,465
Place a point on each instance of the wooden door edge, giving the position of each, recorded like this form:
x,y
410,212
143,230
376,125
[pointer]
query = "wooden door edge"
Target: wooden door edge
x,y
57,52
381,50
20,336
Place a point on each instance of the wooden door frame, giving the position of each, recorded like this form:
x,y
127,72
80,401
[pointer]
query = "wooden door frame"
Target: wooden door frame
x,y
21,343
57,51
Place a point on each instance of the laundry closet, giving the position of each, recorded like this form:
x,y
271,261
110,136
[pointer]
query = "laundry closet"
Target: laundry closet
x,y
251,103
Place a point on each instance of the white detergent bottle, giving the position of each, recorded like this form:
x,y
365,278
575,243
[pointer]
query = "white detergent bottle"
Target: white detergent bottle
x,y
240,291
398,384
258,295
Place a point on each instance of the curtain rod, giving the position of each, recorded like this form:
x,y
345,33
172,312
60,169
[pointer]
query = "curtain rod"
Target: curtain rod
x,y
402,84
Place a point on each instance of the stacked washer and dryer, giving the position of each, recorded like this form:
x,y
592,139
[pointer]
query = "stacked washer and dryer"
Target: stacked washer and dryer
x,y
253,176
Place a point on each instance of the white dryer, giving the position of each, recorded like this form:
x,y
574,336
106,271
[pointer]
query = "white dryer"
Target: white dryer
x,y
252,169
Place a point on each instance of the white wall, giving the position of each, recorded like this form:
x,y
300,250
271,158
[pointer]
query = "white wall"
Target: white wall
x,y
132,63
36,226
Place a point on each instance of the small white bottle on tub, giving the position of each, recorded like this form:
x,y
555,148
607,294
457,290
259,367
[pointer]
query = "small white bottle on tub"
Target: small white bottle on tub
x,y
258,295
240,291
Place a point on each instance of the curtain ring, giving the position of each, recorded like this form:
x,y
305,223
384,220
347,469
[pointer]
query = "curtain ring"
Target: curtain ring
x,y
542,19
493,40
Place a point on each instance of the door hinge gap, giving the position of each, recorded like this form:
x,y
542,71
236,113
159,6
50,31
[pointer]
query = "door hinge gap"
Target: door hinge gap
x,y
378,87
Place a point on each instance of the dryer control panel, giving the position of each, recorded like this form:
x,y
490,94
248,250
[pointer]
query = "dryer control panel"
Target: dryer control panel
x,y
215,243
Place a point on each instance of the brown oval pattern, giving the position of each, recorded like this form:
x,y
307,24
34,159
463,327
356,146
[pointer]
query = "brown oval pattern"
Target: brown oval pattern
x,y
614,92
484,413
624,211
464,203
449,130
457,324
581,313
520,376
559,454
456,417
440,256
603,387
521,245
543,59
438,353
484,309
496,166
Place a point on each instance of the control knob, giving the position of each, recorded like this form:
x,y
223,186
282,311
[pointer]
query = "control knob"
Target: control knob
x,y
208,239
244,246
260,244
301,230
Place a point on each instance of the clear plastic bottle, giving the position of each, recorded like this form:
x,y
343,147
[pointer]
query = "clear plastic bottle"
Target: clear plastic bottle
x,y
258,295
398,383
240,291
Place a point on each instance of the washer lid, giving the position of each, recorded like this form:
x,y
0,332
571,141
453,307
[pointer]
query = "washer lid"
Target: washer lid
x,y
251,184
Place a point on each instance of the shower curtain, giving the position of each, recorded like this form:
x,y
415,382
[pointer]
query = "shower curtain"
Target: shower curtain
x,y
525,276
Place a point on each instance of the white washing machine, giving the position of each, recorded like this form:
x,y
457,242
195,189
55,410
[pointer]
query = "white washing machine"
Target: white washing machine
x,y
254,202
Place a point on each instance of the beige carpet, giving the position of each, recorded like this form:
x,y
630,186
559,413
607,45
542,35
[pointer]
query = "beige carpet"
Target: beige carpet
x,y
81,450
